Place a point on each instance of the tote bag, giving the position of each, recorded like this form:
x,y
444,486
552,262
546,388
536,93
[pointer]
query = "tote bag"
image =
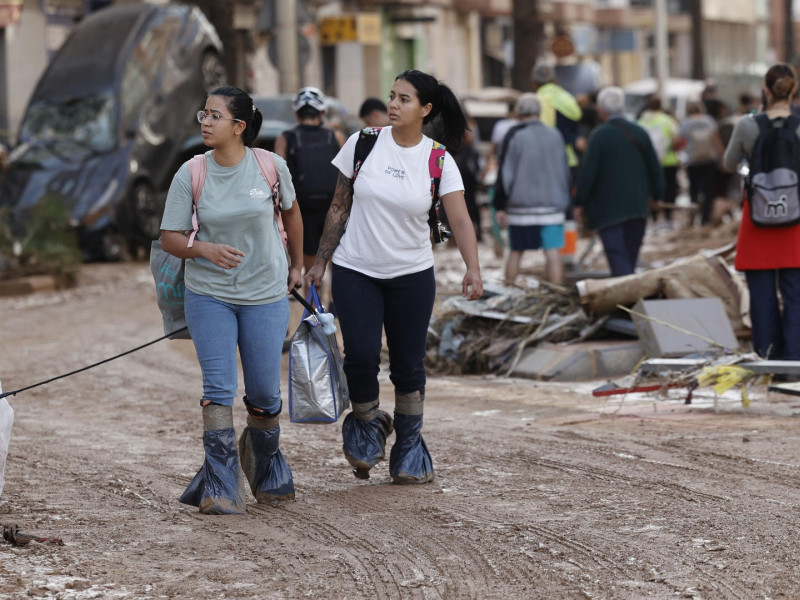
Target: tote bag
x,y
317,386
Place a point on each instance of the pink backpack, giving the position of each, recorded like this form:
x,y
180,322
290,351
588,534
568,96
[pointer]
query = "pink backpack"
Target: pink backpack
x,y
266,162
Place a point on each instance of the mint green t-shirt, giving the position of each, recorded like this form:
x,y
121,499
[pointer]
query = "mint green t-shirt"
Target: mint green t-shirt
x,y
235,208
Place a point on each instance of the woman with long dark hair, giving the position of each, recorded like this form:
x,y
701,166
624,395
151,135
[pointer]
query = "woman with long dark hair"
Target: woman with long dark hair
x,y
237,278
770,256
382,273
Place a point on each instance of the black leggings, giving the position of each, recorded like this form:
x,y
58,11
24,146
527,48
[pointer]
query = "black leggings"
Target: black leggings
x,y
703,188
366,305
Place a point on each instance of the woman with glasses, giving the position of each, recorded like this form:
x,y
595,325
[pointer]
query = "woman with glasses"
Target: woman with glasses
x,y
237,277
382,273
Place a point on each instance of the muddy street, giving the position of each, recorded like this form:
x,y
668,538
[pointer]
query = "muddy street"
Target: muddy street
x,y
541,490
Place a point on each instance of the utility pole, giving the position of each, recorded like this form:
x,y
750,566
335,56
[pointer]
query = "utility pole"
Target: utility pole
x,y
698,61
528,39
662,50
286,32
788,31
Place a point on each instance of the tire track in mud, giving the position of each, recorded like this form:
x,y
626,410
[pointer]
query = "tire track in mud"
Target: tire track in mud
x,y
405,556
379,576
707,462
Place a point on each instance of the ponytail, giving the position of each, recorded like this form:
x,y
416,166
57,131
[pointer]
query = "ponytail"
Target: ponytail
x,y
242,108
781,80
446,121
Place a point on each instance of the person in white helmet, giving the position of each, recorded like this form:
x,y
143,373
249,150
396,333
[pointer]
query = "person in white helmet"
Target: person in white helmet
x,y
309,148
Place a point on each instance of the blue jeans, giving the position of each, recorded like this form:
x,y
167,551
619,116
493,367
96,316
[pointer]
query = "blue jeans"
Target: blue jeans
x,y
776,333
621,243
402,306
217,329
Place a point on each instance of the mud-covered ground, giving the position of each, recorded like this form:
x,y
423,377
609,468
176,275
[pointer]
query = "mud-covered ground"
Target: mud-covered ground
x,y
541,490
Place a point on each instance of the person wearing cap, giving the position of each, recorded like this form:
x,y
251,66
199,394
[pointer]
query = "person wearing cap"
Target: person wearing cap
x,y
560,109
619,176
374,113
532,190
309,148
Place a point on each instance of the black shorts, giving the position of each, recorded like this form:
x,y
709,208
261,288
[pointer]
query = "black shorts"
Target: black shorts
x,y
313,224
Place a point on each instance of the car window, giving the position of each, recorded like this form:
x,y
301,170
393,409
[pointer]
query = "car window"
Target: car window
x,y
142,70
84,124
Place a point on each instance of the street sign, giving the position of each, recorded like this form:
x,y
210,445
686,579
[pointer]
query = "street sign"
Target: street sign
x,y
364,28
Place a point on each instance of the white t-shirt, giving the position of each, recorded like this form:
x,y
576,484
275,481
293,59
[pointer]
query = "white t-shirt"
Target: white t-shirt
x,y
387,234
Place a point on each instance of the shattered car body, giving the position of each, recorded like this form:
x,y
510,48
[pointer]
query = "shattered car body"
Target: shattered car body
x,y
103,131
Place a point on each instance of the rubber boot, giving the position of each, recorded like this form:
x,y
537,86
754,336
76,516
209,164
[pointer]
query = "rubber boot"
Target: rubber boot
x,y
217,489
364,432
263,462
409,462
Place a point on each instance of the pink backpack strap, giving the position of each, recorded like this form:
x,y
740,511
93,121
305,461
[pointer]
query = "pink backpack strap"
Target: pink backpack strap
x,y
197,171
266,162
436,159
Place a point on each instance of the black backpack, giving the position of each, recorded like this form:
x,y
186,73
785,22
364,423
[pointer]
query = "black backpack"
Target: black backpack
x,y
772,184
309,152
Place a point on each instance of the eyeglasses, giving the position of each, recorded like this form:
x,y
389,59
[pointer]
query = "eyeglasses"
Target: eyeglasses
x,y
214,117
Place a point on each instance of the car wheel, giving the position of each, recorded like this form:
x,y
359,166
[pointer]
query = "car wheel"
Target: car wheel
x,y
144,213
212,71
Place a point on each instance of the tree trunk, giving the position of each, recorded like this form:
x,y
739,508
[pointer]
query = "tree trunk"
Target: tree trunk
x,y
220,13
698,62
528,42
788,31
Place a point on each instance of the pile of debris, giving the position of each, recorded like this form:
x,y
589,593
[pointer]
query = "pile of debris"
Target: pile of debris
x,y
491,335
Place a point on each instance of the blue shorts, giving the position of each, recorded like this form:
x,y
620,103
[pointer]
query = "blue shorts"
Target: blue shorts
x,y
533,237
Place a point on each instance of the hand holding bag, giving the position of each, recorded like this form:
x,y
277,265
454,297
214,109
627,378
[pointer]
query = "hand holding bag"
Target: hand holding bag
x,y
317,386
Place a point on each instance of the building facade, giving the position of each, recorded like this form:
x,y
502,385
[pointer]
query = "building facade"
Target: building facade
x,y
354,48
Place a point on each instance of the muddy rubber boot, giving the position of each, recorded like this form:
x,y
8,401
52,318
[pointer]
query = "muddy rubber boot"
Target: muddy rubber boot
x,y
409,462
263,462
364,432
217,487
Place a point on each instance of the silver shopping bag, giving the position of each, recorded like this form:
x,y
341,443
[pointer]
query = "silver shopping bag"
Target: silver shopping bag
x,y
317,385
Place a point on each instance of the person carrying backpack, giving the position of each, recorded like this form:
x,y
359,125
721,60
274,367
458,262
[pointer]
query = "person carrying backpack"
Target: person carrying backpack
x,y
704,149
768,246
309,148
663,131
378,238
237,279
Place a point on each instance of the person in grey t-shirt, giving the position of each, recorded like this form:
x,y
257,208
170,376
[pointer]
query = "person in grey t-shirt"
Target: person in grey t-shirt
x,y
237,278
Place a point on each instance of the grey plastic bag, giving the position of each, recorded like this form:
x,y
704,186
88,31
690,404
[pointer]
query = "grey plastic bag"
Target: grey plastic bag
x,y
6,424
168,275
317,386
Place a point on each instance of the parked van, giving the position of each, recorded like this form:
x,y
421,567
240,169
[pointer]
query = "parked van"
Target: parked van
x,y
679,93
104,129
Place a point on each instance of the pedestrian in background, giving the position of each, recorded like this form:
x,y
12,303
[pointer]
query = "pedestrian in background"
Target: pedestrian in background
x,y
663,128
382,270
374,113
308,149
704,150
619,176
769,256
237,277
532,190
499,131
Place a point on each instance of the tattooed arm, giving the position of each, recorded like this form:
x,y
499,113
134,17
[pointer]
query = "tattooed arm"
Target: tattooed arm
x,y
335,222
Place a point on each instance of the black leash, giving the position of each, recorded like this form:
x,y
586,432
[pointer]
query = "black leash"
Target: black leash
x,y
97,364
303,302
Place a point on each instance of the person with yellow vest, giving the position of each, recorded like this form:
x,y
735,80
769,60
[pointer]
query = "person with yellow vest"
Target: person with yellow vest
x,y
561,110
663,131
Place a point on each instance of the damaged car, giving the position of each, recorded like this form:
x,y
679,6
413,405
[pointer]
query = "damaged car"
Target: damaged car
x,y
105,128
